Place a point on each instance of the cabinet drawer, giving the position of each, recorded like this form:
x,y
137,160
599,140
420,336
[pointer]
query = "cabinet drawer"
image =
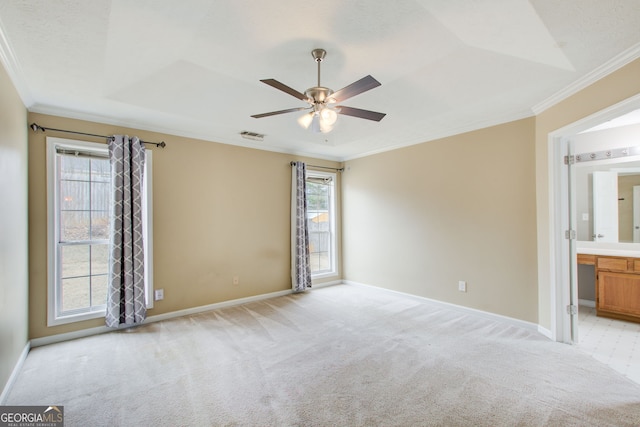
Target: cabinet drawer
x,y
586,259
619,264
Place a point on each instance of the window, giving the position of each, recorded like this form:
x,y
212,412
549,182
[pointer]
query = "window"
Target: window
x,y
79,214
321,222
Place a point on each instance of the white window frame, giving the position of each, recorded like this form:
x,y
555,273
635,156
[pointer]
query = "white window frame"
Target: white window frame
x,y
53,231
333,224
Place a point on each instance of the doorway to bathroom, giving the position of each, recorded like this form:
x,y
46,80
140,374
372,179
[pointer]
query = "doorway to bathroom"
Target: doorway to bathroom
x,y
597,166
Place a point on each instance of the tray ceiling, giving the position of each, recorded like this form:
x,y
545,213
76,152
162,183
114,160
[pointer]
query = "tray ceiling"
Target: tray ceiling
x,y
193,68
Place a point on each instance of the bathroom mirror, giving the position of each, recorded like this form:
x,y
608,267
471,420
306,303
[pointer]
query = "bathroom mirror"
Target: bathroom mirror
x,y
608,201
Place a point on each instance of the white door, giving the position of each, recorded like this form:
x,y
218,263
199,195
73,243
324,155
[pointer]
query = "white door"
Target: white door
x,y
605,206
572,299
636,213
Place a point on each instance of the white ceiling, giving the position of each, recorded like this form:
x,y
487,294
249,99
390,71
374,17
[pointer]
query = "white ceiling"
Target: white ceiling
x,y
193,67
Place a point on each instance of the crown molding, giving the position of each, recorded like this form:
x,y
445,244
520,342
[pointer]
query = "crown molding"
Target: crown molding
x,y
588,79
458,130
13,68
176,131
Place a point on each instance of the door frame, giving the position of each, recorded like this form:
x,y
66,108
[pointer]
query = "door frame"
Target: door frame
x,y
636,214
562,259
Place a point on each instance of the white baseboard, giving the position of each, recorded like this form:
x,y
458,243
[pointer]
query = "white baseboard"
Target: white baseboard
x,y
546,332
492,316
586,303
37,342
14,373
215,306
325,284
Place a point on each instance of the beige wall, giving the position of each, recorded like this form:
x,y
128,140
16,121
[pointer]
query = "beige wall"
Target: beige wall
x,y
419,219
219,211
13,227
606,92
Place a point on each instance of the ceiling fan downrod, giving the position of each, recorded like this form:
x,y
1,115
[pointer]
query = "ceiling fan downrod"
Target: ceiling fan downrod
x,y
318,56
318,95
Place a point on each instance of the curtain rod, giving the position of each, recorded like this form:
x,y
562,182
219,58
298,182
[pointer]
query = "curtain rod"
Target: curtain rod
x,y
322,167
36,127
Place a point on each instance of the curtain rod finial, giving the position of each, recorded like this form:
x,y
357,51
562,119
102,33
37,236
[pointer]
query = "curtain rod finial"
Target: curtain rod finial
x,y
35,127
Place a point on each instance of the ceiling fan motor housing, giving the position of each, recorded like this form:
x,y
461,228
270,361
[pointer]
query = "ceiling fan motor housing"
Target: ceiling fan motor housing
x,y
318,94
318,54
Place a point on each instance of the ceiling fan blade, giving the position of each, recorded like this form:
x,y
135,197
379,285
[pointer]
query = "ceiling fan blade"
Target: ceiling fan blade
x,y
356,88
283,87
273,113
362,114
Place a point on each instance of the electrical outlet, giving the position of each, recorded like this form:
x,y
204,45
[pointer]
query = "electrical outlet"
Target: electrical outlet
x,y
462,286
236,280
159,294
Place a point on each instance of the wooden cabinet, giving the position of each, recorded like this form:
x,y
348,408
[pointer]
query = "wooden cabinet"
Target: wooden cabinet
x,y
587,259
618,295
617,286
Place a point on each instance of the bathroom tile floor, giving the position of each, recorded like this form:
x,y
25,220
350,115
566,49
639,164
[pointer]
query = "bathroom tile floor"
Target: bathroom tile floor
x,y
613,342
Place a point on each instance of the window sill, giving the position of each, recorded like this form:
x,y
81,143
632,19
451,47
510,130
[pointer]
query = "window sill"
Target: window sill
x,y
73,318
324,275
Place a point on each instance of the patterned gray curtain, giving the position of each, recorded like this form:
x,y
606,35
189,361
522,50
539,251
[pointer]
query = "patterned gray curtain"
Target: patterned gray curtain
x,y
300,261
126,287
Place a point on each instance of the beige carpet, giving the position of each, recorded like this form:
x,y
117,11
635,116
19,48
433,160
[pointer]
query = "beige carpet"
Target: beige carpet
x,y
336,356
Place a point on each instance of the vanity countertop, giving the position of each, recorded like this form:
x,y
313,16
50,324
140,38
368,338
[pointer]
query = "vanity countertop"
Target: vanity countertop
x,y
611,249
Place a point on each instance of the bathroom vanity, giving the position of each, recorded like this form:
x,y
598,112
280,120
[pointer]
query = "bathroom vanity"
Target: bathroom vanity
x,y
617,284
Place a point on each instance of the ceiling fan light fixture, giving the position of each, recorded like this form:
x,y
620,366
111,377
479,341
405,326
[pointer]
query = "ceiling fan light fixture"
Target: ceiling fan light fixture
x,y
329,116
316,123
306,119
325,127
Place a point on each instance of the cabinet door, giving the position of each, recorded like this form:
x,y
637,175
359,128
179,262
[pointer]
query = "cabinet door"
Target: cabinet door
x,y
619,293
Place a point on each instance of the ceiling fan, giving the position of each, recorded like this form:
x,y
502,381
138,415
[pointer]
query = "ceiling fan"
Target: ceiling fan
x,y
323,101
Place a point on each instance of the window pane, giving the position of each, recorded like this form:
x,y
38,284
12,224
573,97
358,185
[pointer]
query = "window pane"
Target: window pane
x,y
75,261
99,259
317,196
99,290
100,170
75,293
74,168
319,222
100,196
314,261
312,198
99,225
74,226
324,262
74,195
